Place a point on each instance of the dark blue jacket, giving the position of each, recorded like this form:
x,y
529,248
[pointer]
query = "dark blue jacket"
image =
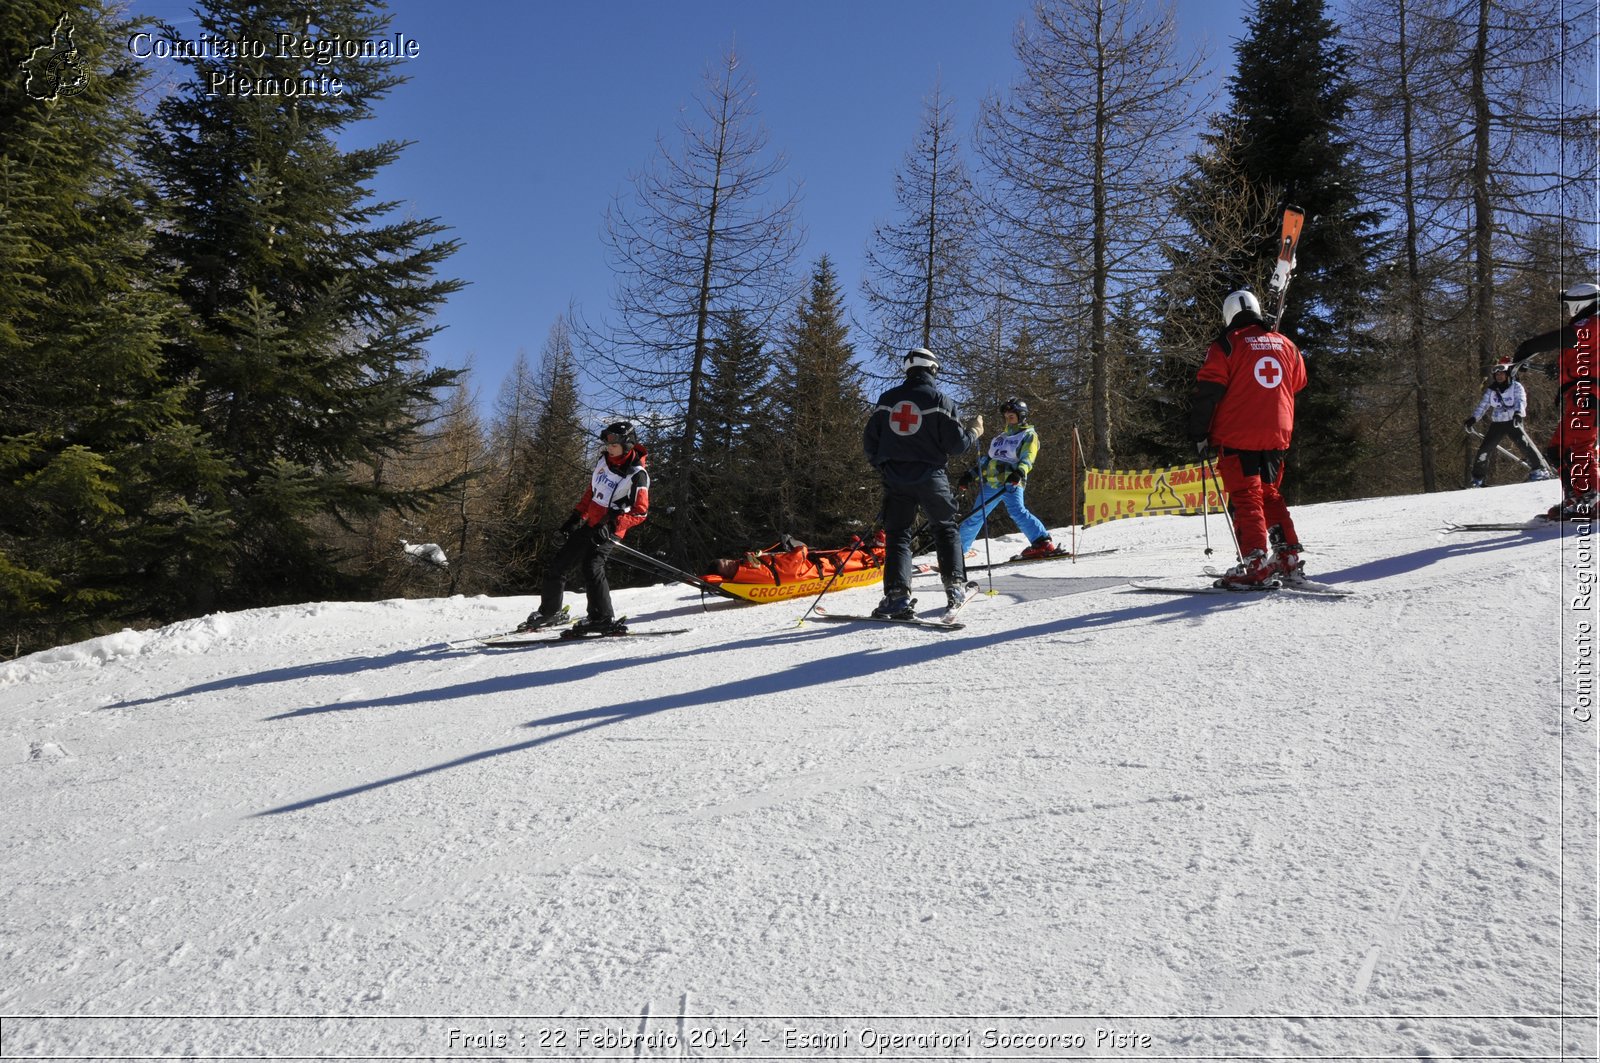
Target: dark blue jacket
x,y
914,431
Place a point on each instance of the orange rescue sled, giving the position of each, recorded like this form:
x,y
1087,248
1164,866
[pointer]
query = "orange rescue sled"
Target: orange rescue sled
x,y
790,569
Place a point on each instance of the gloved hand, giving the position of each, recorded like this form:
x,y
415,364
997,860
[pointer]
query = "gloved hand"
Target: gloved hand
x,y
602,534
965,481
1516,420
1469,422
1202,447
572,524
977,425
1014,479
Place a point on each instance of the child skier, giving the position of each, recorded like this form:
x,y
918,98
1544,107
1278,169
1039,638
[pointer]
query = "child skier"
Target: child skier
x,y
1002,475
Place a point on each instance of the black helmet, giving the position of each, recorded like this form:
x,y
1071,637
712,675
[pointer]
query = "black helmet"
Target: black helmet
x,y
619,432
1016,406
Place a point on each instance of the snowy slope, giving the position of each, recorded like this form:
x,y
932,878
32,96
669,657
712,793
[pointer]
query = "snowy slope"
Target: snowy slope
x,y
1173,827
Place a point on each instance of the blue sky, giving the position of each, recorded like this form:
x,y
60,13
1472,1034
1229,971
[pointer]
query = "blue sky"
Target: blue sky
x,y
528,117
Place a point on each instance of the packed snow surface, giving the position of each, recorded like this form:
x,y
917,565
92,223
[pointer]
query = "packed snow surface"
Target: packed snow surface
x,y
1095,822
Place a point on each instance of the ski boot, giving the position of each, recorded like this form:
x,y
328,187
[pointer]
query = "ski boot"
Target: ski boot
x,y
537,620
896,605
1255,572
597,626
1287,565
1042,547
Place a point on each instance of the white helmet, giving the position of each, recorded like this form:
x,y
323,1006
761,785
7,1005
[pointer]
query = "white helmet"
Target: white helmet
x,y
1236,303
921,356
1578,298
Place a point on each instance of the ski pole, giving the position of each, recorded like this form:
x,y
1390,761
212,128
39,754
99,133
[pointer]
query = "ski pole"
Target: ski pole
x,y
644,562
860,542
1216,479
983,530
1205,506
1077,450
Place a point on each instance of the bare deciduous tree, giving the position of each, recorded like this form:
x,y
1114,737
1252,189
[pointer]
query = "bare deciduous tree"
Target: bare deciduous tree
x,y
920,267
1085,150
705,232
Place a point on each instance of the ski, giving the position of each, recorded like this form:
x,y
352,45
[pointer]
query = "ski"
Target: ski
x,y
968,592
1309,586
936,625
477,640
1540,521
529,638
1018,559
1203,588
1293,218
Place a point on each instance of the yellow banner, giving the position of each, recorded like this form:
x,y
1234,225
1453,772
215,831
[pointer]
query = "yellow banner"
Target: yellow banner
x,y
1111,494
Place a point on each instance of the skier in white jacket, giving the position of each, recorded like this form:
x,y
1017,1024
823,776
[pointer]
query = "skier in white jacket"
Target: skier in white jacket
x,y
1506,403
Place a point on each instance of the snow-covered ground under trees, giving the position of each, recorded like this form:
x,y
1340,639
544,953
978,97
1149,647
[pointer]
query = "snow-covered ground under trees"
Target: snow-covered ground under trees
x,y
1095,822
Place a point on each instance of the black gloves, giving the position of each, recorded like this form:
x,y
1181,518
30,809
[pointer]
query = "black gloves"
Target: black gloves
x,y
573,523
1516,420
1469,422
1202,448
1014,479
601,533
965,481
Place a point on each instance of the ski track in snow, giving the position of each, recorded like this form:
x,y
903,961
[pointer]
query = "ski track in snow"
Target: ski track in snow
x,y
1087,802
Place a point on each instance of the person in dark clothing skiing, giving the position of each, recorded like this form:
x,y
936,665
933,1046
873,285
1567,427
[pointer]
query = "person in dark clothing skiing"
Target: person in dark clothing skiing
x,y
1574,447
617,499
1506,402
910,435
1243,411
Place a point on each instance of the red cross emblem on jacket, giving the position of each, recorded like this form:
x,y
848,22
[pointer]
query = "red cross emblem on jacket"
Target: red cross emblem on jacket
x,y
905,419
1269,372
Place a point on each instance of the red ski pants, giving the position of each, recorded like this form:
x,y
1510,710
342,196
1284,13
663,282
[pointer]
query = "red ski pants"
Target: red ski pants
x,y
1575,447
1252,479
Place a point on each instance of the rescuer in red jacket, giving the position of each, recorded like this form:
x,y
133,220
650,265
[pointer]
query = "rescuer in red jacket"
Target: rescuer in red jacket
x,y
1575,445
1243,412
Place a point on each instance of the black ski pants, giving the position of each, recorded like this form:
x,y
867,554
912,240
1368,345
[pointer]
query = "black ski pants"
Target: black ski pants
x,y
581,550
1498,431
901,501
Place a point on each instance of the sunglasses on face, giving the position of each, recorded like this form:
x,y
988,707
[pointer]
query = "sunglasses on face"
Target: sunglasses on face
x,y
613,439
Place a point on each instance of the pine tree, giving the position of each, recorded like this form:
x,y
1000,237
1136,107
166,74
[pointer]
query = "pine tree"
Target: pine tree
x,y
1225,213
1290,97
310,305
733,469
563,447
821,409
94,455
